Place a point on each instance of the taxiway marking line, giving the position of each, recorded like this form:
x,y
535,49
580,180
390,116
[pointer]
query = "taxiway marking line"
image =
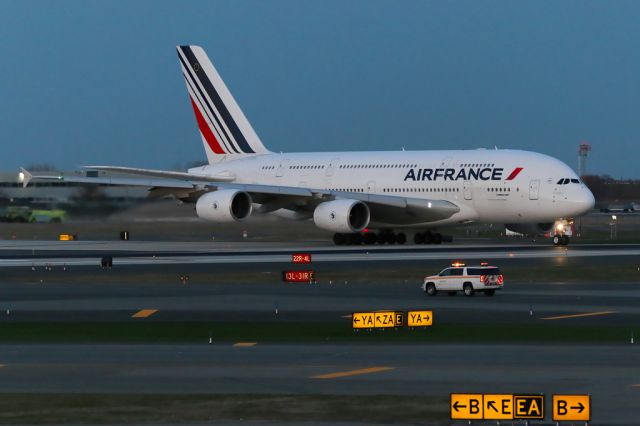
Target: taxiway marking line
x,y
144,313
637,385
352,372
244,344
587,314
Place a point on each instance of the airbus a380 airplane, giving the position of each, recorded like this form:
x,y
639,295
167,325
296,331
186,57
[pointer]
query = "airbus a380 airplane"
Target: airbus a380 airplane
x,y
348,192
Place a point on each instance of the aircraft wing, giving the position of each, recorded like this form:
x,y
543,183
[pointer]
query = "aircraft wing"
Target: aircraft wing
x,y
222,177
391,209
28,177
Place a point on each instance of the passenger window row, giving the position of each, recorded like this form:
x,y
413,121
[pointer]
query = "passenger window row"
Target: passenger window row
x,y
376,166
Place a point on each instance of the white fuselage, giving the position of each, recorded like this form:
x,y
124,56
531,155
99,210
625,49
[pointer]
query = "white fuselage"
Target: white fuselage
x,y
489,186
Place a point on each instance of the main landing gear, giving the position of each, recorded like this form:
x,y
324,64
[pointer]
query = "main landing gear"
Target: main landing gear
x,y
560,240
369,238
428,238
389,237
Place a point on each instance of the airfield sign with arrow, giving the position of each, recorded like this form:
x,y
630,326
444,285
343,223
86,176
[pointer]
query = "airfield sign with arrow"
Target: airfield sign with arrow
x,y
571,407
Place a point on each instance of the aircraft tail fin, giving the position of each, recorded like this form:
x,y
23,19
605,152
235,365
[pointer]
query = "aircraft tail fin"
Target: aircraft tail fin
x,y
225,131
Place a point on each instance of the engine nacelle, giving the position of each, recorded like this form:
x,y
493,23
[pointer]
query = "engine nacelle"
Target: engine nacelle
x,y
532,229
343,216
225,205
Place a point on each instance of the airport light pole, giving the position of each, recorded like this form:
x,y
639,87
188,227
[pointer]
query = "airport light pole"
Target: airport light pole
x,y
613,224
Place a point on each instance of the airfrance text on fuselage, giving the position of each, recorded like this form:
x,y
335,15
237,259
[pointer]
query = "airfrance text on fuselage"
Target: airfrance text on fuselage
x,y
453,174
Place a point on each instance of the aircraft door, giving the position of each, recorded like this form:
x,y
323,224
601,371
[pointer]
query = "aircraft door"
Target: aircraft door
x,y
331,167
282,167
467,190
371,187
534,189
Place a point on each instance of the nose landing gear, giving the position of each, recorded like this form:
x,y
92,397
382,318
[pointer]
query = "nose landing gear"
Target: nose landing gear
x,y
560,240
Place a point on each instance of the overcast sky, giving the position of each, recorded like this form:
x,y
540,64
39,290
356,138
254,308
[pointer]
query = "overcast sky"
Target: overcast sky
x,y
85,82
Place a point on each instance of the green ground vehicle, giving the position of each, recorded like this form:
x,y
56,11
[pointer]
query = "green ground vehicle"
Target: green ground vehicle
x,y
25,214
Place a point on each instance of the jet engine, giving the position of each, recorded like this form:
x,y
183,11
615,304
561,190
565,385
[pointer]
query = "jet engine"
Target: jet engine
x,y
532,229
225,205
342,216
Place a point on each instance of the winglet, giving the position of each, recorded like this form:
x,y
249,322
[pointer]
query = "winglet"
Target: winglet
x,y
25,177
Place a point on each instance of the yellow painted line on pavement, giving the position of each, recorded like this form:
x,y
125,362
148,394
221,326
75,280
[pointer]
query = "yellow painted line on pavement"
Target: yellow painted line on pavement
x,y
352,372
637,385
144,313
244,344
587,314
346,316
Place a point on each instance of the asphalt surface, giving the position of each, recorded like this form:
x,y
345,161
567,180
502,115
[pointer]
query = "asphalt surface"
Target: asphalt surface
x,y
240,285
610,373
517,303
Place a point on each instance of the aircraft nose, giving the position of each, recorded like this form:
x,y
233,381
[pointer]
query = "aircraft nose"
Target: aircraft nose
x,y
586,200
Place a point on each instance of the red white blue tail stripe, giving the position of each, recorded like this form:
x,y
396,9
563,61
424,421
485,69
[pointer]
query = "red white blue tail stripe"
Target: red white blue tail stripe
x,y
223,127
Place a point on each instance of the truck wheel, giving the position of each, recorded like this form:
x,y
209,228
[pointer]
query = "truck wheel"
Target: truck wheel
x,y
468,289
556,240
565,240
431,289
489,292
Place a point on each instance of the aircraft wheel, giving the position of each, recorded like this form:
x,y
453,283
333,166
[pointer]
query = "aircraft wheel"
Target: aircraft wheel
x,y
401,238
428,238
437,238
418,238
370,238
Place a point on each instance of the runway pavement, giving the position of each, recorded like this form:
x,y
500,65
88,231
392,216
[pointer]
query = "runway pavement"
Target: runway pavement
x,y
24,253
221,299
609,372
243,284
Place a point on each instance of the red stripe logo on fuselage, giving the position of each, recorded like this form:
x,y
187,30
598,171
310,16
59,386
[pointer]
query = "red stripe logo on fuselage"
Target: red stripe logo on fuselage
x,y
514,173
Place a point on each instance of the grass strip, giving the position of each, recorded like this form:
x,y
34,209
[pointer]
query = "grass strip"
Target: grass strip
x,y
309,332
158,409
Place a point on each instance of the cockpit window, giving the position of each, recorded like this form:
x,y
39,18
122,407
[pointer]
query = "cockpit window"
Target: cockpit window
x,y
565,181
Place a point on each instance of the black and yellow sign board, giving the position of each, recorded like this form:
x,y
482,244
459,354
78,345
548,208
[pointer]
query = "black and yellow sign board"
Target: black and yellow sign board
x,y
477,406
498,406
466,406
419,318
571,407
362,320
389,319
528,407
384,319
